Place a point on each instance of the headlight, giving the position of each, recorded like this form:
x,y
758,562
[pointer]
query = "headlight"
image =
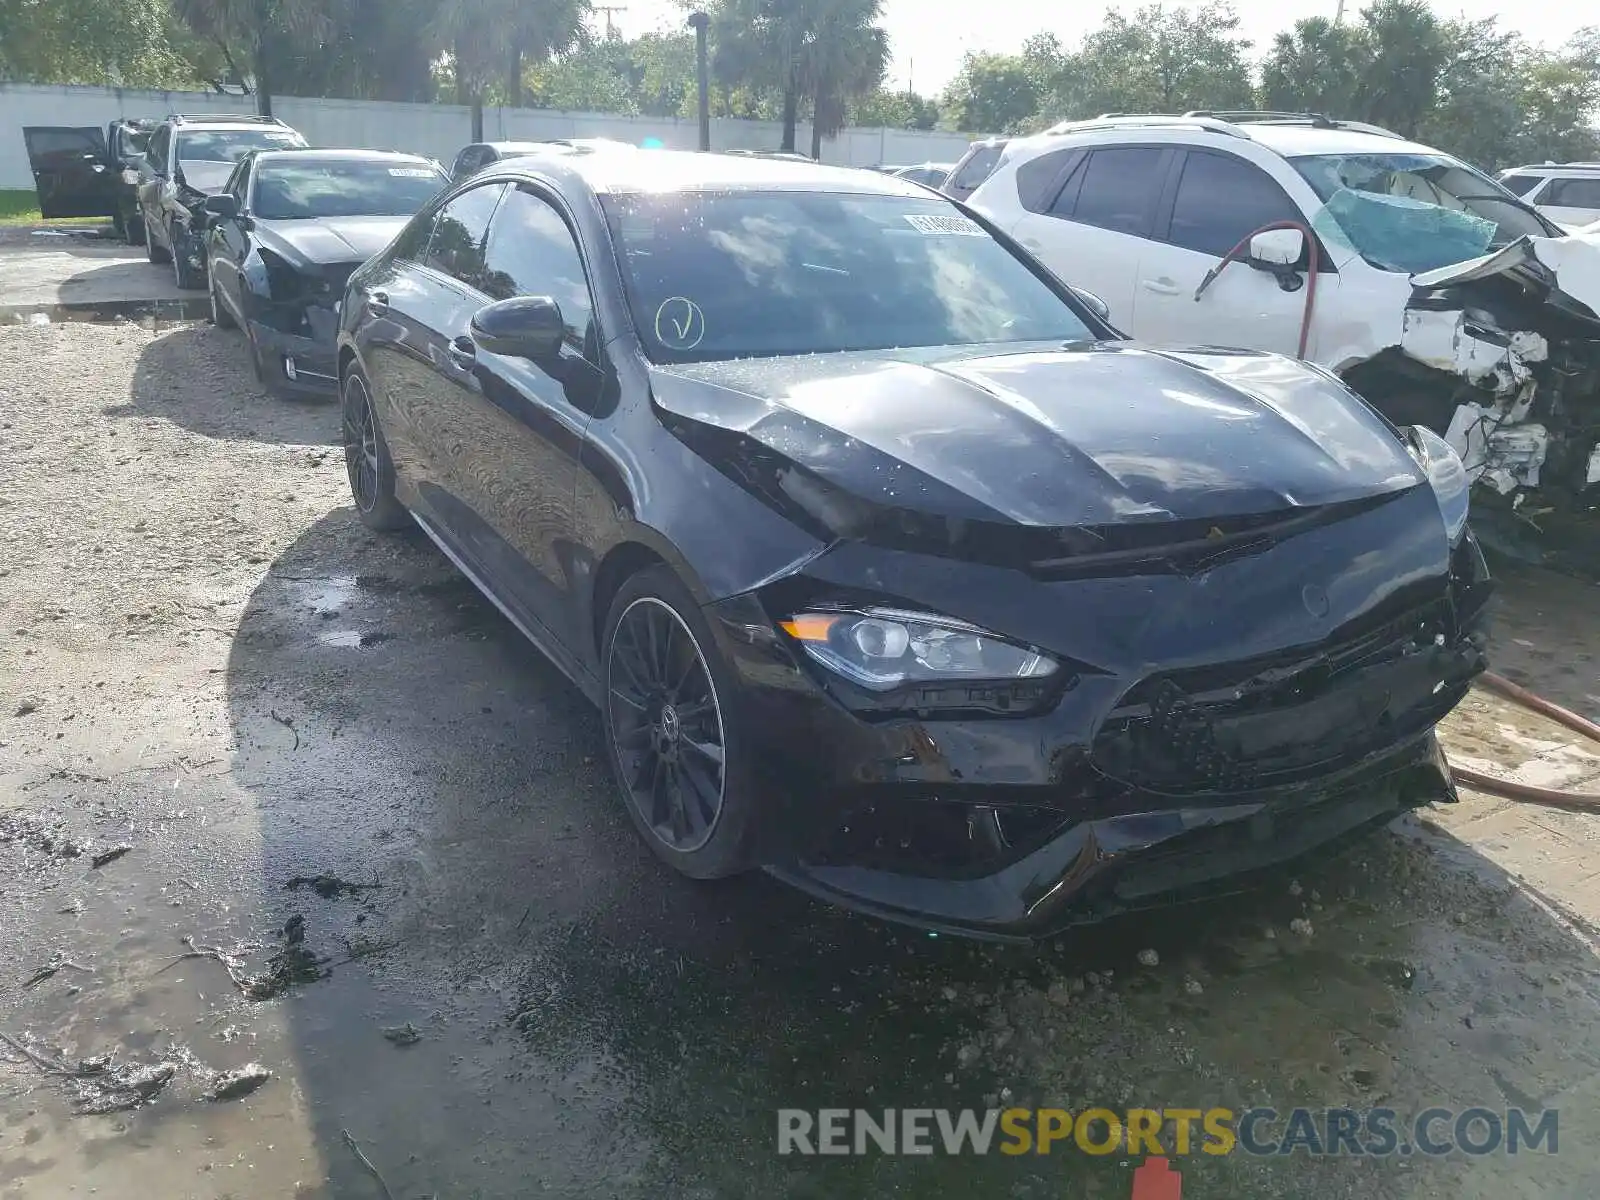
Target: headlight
x,y
884,648
1446,474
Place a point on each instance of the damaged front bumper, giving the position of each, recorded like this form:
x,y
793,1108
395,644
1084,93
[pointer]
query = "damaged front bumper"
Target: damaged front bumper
x,y
1211,739
296,348
1508,347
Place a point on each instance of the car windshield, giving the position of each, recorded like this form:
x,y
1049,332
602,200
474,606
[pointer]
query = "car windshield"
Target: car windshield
x,y
1413,212
230,145
754,274
303,191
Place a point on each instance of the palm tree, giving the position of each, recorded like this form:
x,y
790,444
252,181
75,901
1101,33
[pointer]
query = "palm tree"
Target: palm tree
x,y
827,50
262,30
490,40
847,59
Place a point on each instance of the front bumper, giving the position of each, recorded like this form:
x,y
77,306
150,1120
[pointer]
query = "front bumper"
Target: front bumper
x,y
303,363
1103,801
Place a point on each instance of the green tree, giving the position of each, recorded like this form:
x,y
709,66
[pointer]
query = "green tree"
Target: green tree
x,y
992,93
1315,67
491,41
1160,60
844,57
1406,52
884,109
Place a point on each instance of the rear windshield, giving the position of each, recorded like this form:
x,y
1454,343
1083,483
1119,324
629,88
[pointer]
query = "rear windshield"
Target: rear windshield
x,y
979,165
752,274
303,191
230,145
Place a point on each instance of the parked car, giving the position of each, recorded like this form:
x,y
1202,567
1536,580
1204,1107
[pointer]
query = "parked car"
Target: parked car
x,y
979,162
284,235
90,171
928,174
886,571
1351,247
1566,193
188,159
479,155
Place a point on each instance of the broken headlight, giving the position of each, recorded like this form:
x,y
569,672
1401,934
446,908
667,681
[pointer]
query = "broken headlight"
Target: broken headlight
x,y
884,648
1447,475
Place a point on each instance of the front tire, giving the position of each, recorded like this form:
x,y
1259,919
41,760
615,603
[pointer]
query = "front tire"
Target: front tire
x,y
220,316
153,252
366,459
674,731
184,275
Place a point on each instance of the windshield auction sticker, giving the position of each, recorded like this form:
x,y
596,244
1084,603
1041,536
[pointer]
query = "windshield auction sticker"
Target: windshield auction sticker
x,y
935,226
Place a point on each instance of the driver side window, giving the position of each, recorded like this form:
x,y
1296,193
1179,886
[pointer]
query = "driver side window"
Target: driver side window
x,y
532,252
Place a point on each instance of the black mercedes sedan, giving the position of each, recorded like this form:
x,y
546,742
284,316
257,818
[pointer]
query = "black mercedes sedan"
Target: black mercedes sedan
x,y
890,568
283,236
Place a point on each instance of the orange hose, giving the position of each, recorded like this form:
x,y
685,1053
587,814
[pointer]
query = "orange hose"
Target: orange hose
x,y
1527,792
1312,262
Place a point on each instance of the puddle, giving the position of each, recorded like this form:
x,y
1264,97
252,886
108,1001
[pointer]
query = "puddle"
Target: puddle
x,y
151,314
354,639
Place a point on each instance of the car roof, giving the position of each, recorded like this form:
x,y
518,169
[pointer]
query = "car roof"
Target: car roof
x,y
1574,168
687,170
320,155
1288,136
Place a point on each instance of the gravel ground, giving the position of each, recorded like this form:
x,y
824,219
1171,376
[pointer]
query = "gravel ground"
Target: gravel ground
x,y
336,767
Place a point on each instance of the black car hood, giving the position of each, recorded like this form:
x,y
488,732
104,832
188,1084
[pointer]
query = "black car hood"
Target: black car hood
x,y
204,176
330,239
1080,436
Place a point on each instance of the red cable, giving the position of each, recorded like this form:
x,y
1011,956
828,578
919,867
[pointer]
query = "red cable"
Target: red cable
x,y
1311,288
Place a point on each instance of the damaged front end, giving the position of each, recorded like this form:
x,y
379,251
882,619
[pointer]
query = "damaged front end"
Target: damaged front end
x,y
1502,356
294,320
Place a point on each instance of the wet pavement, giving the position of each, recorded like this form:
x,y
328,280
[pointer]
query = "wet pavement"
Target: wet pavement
x,y
344,778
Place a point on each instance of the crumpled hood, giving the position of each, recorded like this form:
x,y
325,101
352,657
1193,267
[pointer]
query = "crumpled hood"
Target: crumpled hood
x,y
203,176
1087,435
331,239
1566,270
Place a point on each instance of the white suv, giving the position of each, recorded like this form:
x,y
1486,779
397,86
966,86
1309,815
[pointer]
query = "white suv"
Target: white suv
x,y
1143,211
1567,193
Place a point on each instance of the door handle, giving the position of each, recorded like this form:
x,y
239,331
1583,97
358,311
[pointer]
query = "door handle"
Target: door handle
x,y
378,303
463,352
1162,287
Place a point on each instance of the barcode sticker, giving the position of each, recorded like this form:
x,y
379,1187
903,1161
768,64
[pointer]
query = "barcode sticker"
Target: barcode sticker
x,y
932,226
411,172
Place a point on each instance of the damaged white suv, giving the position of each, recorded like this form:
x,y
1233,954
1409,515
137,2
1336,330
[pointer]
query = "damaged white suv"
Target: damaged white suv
x,y
1428,287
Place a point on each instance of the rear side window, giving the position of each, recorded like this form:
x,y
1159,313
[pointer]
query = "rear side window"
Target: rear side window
x,y
1039,180
1120,189
1521,185
1572,193
456,248
1222,200
979,165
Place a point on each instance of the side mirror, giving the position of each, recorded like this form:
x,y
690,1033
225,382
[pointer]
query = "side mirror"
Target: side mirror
x,y
222,207
528,327
1096,305
1277,249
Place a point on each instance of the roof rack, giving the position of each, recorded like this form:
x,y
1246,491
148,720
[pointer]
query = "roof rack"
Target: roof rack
x,y
1148,121
244,118
1268,117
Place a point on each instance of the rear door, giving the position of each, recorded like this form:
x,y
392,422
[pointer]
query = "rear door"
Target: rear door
x,y
1094,232
1219,200
1570,202
71,171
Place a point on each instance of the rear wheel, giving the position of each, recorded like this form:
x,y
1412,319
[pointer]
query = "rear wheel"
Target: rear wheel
x,y
366,459
674,731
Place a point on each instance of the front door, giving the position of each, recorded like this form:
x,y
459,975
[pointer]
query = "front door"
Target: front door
x,y
71,171
1220,200
523,422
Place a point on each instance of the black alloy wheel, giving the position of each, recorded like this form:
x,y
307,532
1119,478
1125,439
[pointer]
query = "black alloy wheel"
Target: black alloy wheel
x,y
183,272
666,723
220,316
366,460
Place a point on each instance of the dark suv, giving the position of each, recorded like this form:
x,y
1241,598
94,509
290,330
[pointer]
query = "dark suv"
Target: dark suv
x,y
186,160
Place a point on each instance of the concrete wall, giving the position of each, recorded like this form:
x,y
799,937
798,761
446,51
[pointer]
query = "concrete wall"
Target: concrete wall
x,y
435,129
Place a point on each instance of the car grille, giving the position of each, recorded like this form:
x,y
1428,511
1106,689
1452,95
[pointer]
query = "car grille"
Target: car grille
x,y
1285,719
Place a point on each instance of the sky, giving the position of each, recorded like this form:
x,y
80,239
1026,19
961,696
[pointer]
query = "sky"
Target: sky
x,y
929,37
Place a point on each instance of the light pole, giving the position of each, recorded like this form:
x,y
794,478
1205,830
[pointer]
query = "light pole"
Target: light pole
x,y
700,23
